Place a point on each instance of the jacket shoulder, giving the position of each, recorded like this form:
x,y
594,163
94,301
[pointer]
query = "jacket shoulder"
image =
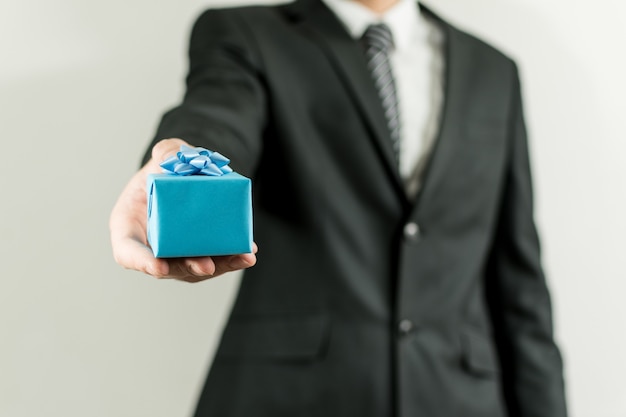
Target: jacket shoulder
x,y
480,48
248,11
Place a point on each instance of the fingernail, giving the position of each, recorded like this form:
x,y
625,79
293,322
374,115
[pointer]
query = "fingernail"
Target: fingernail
x,y
193,269
239,263
151,270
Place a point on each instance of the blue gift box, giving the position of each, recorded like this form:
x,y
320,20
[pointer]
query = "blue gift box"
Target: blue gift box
x,y
199,215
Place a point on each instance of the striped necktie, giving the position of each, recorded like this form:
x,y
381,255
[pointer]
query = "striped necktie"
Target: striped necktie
x,y
378,42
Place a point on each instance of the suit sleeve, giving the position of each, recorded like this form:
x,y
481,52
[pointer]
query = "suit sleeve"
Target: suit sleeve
x,y
224,106
518,294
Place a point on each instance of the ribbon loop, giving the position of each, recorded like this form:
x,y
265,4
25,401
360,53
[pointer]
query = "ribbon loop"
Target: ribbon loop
x,y
197,161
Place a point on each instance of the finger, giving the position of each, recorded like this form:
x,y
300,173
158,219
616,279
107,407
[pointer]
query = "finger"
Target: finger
x,y
195,267
224,264
166,148
191,269
201,268
133,254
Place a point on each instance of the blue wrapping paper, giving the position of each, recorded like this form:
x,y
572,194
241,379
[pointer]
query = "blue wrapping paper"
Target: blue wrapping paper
x,y
199,207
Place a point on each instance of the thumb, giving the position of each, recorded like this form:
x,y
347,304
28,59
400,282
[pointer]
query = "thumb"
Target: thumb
x,y
166,148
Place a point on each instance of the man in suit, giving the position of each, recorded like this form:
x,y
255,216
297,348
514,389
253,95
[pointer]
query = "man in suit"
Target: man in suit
x,y
387,285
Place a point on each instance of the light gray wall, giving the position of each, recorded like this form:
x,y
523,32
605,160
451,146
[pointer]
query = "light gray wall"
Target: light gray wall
x,y
82,85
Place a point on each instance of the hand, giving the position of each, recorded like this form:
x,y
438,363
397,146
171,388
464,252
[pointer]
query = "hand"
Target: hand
x,y
128,222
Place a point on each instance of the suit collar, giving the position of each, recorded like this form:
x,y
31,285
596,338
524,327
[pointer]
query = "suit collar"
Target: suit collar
x,y
299,10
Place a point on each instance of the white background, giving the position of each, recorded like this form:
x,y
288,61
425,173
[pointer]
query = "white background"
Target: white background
x,y
82,86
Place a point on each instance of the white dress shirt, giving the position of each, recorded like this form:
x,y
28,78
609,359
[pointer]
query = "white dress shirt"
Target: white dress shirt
x,y
418,66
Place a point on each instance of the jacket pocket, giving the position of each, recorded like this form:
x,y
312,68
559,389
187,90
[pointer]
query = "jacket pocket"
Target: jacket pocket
x,y
293,337
479,355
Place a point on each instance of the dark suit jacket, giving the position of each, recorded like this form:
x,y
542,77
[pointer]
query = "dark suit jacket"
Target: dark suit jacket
x,y
349,311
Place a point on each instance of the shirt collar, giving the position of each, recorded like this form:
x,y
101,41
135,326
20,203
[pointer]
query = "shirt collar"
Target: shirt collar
x,y
403,19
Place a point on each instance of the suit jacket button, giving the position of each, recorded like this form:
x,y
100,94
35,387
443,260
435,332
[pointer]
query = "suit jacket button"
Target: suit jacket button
x,y
405,327
411,232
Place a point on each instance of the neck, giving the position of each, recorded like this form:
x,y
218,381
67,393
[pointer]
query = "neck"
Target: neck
x,y
378,6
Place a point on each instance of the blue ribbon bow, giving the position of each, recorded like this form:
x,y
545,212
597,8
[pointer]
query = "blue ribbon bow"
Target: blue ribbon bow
x,y
197,161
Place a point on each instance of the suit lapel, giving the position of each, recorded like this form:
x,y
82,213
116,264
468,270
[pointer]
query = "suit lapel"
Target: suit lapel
x,y
349,61
458,65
